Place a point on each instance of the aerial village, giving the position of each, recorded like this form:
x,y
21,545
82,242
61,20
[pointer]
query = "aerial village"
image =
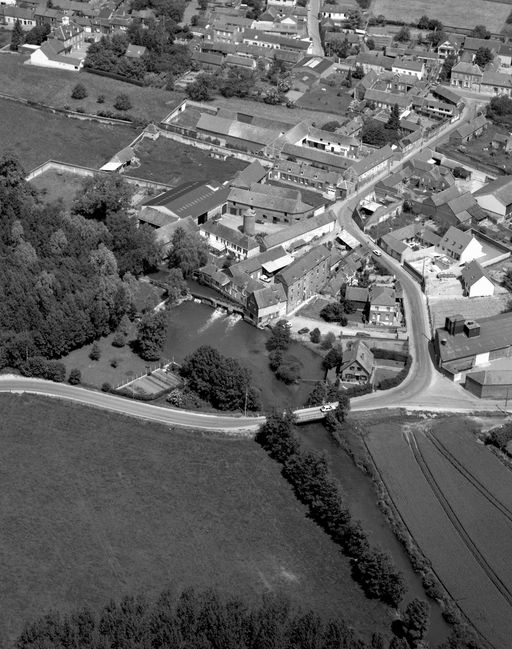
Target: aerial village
x,y
415,165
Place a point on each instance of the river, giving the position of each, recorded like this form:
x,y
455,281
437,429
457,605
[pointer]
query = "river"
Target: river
x,y
193,324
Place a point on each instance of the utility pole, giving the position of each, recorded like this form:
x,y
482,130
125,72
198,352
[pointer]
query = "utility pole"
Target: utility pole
x,y
245,406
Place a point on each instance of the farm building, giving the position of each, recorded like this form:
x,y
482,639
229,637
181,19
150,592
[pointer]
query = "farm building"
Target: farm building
x,y
496,197
494,382
469,130
475,281
199,200
304,231
463,344
226,240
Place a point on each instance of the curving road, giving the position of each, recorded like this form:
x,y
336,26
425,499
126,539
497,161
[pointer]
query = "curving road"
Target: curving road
x,y
424,387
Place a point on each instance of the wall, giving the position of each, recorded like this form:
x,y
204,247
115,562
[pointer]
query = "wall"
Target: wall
x,y
53,165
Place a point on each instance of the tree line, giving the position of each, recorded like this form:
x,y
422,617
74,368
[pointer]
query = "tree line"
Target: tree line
x,y
314,486
192,620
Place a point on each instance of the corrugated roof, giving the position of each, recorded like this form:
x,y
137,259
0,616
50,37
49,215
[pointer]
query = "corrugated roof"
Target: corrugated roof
x,y
192,199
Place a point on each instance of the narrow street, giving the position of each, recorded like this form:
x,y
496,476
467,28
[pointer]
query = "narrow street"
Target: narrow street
x,y
313,27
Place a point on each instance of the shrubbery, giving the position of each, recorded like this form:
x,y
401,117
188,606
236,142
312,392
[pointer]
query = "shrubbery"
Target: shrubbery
x,y
500,437
392,382
309,475
42,368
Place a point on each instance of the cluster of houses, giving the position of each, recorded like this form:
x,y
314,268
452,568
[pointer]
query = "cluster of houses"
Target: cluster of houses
x,y
495,78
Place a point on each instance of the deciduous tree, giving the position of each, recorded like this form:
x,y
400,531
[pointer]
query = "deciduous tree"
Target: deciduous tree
x,y
151,333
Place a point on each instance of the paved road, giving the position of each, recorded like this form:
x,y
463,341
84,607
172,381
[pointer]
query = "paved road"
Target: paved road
x,y
423,388
313,27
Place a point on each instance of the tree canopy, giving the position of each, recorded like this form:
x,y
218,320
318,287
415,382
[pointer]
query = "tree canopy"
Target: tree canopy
x,y
188,251
220,380
60,286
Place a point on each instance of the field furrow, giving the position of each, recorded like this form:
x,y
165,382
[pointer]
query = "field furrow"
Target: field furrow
x,y
453,562
489,531
479,461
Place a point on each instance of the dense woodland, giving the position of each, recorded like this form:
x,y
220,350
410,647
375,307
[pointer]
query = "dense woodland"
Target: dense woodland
x,y
67,276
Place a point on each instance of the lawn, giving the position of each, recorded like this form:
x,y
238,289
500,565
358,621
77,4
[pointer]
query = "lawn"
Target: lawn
x,y
54,87
325,99
95,373
58,185
432,498
313,307
451,14
479,150
36,136
96,505
173,163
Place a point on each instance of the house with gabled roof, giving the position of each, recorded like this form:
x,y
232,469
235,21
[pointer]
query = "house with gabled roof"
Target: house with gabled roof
x,y
384,309
475,280
305,277
358,363
226,240
52,54
466,75
496,198
461,246
266,304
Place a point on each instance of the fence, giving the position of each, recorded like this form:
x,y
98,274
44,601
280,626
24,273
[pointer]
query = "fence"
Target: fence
x,y
162,364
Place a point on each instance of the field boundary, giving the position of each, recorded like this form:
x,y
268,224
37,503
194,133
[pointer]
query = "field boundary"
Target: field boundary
x,y
68,113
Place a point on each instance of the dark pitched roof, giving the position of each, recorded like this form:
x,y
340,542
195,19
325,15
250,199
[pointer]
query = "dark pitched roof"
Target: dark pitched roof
x,y
495,333
473,272
358,352
303,265
191,199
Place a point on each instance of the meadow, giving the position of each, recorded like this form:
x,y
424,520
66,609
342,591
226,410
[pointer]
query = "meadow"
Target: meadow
x,y
452,14
96,505
54,88
36,136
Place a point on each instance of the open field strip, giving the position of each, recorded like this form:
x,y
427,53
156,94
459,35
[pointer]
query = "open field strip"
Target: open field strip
x,y
484,528
460,13
479,466
452,561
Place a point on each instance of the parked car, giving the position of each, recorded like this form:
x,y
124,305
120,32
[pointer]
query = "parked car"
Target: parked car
x,y
328,407
304,330
376,252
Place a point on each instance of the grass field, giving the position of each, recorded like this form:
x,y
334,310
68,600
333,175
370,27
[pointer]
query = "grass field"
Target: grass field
x,y
36,136
172,162
54,87
325,99
95,506
452,515
451,14
58,185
